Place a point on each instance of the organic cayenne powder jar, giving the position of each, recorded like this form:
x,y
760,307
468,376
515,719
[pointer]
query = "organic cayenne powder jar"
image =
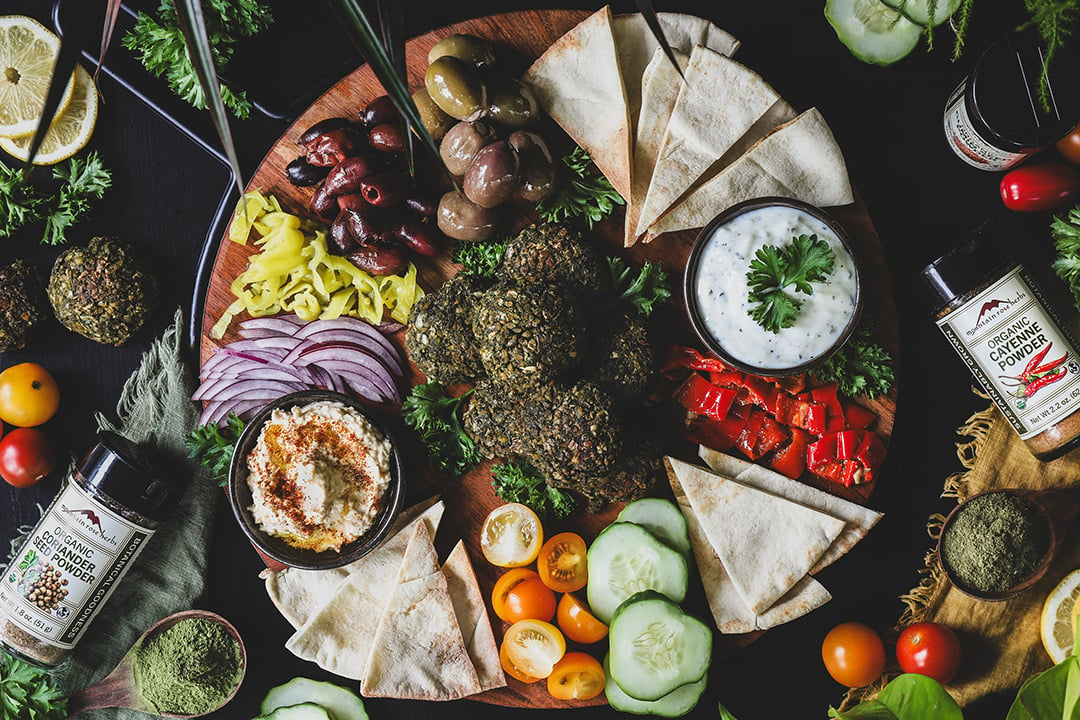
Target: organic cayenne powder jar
x,y
998,320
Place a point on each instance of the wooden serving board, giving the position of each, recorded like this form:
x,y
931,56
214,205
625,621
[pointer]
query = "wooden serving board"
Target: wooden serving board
x,y
520,37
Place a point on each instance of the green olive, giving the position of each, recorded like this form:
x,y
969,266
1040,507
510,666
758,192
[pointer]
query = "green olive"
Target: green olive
x,y
435,120
457,88
473,50
512,103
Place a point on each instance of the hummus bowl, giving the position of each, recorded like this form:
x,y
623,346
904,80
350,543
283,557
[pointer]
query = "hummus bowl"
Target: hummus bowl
x,y
316,480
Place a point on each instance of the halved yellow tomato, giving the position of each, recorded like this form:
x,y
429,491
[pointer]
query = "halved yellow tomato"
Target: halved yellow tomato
x,y
577,623
534,646
513,670
520,595
511,536
562,564
578,676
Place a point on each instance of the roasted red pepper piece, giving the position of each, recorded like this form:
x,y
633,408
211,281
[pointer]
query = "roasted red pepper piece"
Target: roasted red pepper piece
x,y
821,452
826,395
858,417
849,457
756,391
719,434
700,396
848,442
793,384
871,454
727,378
771,435
805,414
681,357
790,459
747,440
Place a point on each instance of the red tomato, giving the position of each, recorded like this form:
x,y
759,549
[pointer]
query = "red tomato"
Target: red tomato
x,y
520,595
26,456
854,654
1069,146
562,563
577,623
930,649
1039,188
578,676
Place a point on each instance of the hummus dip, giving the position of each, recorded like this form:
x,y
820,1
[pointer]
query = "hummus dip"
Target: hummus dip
x,y
318,474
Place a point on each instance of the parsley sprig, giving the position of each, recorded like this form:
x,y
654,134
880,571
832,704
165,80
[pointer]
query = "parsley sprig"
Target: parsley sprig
x,y
436,418
522,483
584,192
645,291
213,446
82,182
861,368
1065,230
26,692
806,259
481,259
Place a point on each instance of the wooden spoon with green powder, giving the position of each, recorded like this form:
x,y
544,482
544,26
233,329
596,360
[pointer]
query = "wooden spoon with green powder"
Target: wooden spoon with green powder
x,y
185,666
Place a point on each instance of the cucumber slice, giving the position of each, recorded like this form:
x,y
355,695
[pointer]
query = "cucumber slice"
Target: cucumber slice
x,y
656,647
626,559
918,11
676,703
662,519
341,703
303,711
873,32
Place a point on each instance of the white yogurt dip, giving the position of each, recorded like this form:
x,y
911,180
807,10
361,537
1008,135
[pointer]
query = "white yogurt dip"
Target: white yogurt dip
x,y
722,295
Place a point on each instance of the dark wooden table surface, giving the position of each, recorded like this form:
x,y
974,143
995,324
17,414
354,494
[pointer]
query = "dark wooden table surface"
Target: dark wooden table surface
x,y
889,123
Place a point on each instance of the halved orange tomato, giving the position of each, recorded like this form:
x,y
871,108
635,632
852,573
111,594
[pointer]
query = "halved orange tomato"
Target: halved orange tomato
x,y
562,563
520,595
533,647
577,623
578,676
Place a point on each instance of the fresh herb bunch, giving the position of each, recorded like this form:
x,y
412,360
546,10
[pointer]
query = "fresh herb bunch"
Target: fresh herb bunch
x,y
480,259
26,692
585,192
83,181
213,446
860,368
1065,230
522,483
160,46
649,289
435,416
806,259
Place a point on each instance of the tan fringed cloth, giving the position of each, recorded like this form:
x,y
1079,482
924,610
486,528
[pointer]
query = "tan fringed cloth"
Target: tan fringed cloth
x,y
1000,639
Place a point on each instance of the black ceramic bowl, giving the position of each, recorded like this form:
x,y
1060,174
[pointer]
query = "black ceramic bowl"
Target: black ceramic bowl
x,y
275,547
693,266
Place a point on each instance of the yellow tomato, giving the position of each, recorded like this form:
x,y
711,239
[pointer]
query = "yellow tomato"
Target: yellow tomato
x,y
511,536
533,647
28,395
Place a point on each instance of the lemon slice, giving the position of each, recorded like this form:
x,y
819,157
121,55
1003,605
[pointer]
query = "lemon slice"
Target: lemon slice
x,y
1057,625
70,131
511,536
28,52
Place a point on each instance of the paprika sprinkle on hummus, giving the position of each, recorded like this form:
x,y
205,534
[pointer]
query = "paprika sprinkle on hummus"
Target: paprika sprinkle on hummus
x,y
318,475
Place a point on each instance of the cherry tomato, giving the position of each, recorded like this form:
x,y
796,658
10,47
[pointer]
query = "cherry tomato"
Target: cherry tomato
x,y
854,654
562,564
930,649
513,670
534,646
1069,146
28,395
26,456
511,536
1039,188
520,595
577,623
578,676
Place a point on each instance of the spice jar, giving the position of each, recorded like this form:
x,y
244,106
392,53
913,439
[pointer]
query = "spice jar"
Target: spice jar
x,y
107,509
996,116
1000,322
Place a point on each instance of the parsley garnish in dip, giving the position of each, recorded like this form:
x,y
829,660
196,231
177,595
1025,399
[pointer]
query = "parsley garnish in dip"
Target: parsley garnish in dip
x,y
318,475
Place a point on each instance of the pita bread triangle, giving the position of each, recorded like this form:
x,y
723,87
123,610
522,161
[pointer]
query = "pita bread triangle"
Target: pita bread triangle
x,y
473,618
766,543
418,652
799,159
719,102
578,82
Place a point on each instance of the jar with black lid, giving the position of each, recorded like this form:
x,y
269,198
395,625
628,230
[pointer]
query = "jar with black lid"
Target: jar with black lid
x,y
108,507
1000,322
995,117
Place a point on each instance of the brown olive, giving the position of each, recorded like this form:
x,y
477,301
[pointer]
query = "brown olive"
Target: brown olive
x,y
378,111
346,175
379,258
457,88
332,147
323,203
537,177
388,137
321,128
350,201
473,50
423,238
303,174
421,204
384,189
462,219
512,103
435,120
342,241
367,224
493,176
461,144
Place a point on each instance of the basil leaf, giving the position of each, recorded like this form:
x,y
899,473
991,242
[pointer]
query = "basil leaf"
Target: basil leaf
x,y
917,697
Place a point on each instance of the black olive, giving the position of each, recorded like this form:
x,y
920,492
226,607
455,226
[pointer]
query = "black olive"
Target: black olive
x,y
303,174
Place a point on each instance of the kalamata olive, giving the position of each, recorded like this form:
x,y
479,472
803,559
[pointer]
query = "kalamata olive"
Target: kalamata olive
x,y
350,201
379,111
384,190
303,174
512,103
388,138
423,238
346,175
379,258
457,88
462,219
323,203
435,120
421,204
537,176
461,144
330,148
473,50
367,224
493,176
342,241
321,128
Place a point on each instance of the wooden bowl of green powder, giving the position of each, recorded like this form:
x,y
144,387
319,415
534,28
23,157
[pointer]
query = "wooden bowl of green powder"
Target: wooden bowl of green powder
x,y
997,544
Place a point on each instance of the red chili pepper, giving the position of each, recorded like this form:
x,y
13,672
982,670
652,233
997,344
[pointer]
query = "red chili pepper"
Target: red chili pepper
x,y
1050,365
1035,360
700,396
1035,385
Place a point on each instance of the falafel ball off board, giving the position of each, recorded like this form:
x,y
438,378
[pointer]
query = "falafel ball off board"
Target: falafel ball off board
x,y
616,89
